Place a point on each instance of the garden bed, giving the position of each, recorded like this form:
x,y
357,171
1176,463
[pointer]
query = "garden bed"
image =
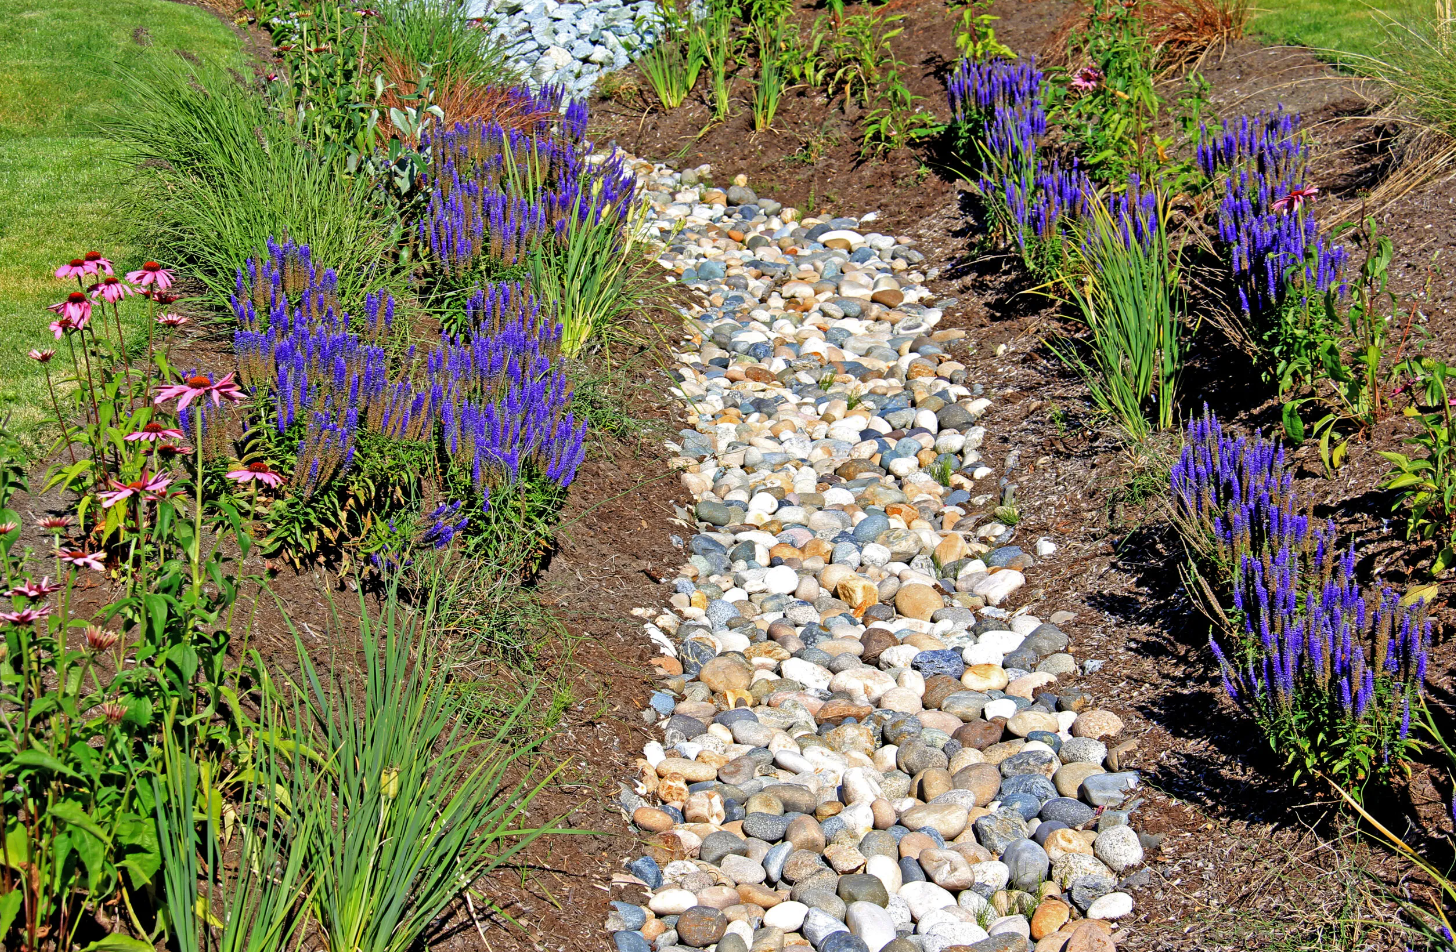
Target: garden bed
x,y
1249,862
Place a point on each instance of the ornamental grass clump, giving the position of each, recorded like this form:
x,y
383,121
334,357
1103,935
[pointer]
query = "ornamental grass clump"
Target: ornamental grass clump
x,y
1329,673
1123,278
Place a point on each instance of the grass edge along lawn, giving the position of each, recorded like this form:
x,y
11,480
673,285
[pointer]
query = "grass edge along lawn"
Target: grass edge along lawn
x,y
1358,28
62,68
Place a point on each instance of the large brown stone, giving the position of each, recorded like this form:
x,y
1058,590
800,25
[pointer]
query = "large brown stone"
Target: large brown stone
x,y
652,820
1097,724
939,687
983,780
1050,916
804,832
980,734
1093,935
875,641
701,926
726,673
917,600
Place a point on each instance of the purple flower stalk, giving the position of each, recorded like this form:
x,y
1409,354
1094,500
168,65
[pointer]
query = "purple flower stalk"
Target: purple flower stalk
x,y
1303,628
1271,239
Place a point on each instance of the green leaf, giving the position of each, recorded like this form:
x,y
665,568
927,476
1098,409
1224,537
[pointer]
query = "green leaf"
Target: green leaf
x,y
41,760
119,943
1293,425
17,846
77,817
1444,560
9,907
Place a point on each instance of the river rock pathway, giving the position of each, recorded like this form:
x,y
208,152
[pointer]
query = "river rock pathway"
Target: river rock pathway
x,y
866,746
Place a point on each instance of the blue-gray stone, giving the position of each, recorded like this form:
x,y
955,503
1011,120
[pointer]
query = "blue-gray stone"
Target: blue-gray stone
x,y
1054,741
819,926
999,829
844,942
946,661
694,654
729,718
646,869
662,702
910,870
713,513
719,611
1033,784
688,727
1109,789
1028,863
711,270
719,844
1023,803
631,942
767,826
1046,828
773,861
629,915
1002,557
1065,810
846,553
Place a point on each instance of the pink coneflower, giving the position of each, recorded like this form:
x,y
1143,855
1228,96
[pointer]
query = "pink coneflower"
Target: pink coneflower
x,y
151,275
35,589
94,263
1086,79
55,523
201,385
111,289
172,320
26,616
8,527
81,559
259,472
172,449
64,326
153,432
1295,200
75,308
75,268
100,639
42,356
121,491
113,711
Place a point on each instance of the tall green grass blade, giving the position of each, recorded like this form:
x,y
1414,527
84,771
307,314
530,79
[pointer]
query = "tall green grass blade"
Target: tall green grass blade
x,y
1128,294
416,801
218,172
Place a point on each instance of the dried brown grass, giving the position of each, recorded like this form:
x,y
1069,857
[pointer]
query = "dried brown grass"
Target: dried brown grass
x,y
1183,33
460,98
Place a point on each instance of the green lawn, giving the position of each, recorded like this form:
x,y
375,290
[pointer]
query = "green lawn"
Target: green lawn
x,y
1349,26
62,64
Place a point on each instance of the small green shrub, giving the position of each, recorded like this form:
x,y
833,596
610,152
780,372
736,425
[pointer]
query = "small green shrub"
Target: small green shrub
x,y
1340,349
769,88
676,58
1112,105
1426,483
